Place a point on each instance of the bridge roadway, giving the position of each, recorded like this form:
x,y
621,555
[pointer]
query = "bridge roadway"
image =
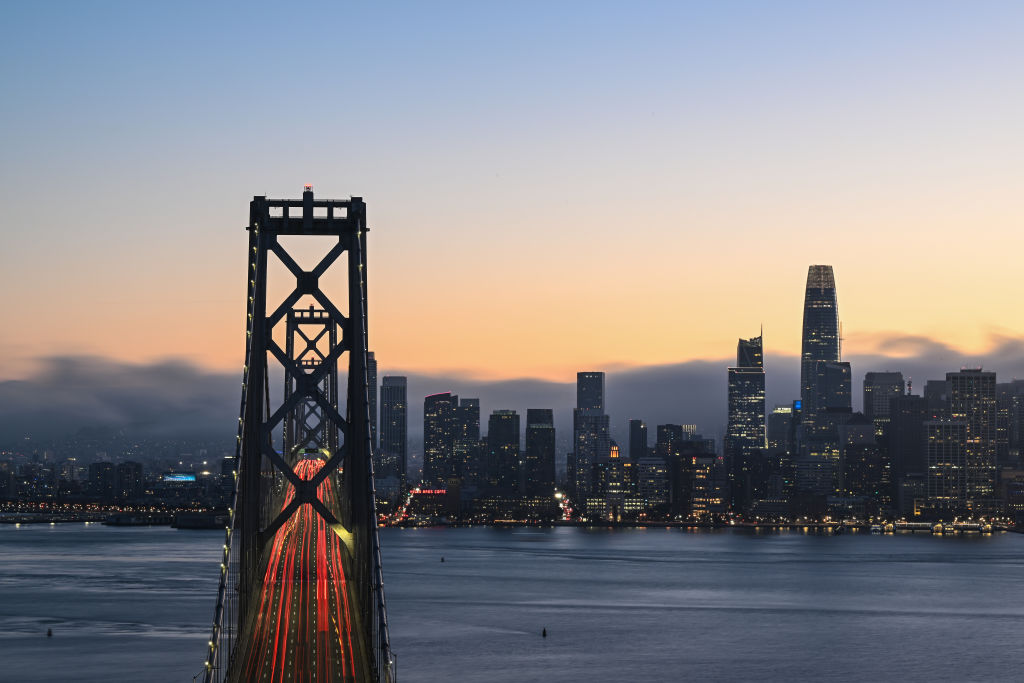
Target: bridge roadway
x,y
304,627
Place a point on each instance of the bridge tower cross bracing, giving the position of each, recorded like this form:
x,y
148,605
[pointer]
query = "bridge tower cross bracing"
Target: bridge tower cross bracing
x,y
320,479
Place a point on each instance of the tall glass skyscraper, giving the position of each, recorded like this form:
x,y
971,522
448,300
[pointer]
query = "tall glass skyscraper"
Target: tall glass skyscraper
x,y
591,442
503,457
590,391
750,353
880,388
467,436
820,342
637,440
539,459
394,428
439,438
972,400
745,435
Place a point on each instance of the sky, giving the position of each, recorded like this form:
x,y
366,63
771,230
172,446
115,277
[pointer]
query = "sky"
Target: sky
x,y
551,186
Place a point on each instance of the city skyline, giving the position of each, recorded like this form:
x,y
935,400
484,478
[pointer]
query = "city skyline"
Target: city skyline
x,y
818,155
70,394
463,340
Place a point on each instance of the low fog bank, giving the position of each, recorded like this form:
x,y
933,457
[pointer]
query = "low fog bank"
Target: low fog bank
x,y
67,394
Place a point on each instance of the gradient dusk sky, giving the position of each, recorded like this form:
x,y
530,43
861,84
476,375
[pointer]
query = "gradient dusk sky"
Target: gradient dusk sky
x,y
550,186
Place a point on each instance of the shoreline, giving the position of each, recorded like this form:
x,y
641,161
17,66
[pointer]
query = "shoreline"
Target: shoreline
x,y
833,528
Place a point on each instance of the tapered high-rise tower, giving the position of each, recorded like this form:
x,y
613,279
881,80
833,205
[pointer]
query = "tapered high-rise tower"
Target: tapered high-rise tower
x,y
820,342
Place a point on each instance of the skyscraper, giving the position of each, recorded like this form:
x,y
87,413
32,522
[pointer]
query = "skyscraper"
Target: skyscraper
x,y
503,455
833,386
750,353
439,438
591,443
820,340
936,392
972,400
864,470
614,479
637,440
371,384
669,439
778,428
673,446
652,481
590,391
946,449
880,388
745,433
1010,415
906,435
825,393
539,460
833,395
394,428
467,436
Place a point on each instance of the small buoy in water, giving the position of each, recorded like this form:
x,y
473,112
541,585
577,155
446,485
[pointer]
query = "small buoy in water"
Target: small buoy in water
x,y
544,632
49,633
442,558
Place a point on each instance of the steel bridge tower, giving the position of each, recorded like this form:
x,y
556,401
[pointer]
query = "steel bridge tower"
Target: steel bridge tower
x,y
301,592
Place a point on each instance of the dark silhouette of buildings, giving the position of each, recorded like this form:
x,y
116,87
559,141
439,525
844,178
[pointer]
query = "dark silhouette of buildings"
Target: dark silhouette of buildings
x,y
130,483
103,480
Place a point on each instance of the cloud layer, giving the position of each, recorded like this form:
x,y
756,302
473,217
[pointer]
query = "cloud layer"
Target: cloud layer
x,y
174,398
